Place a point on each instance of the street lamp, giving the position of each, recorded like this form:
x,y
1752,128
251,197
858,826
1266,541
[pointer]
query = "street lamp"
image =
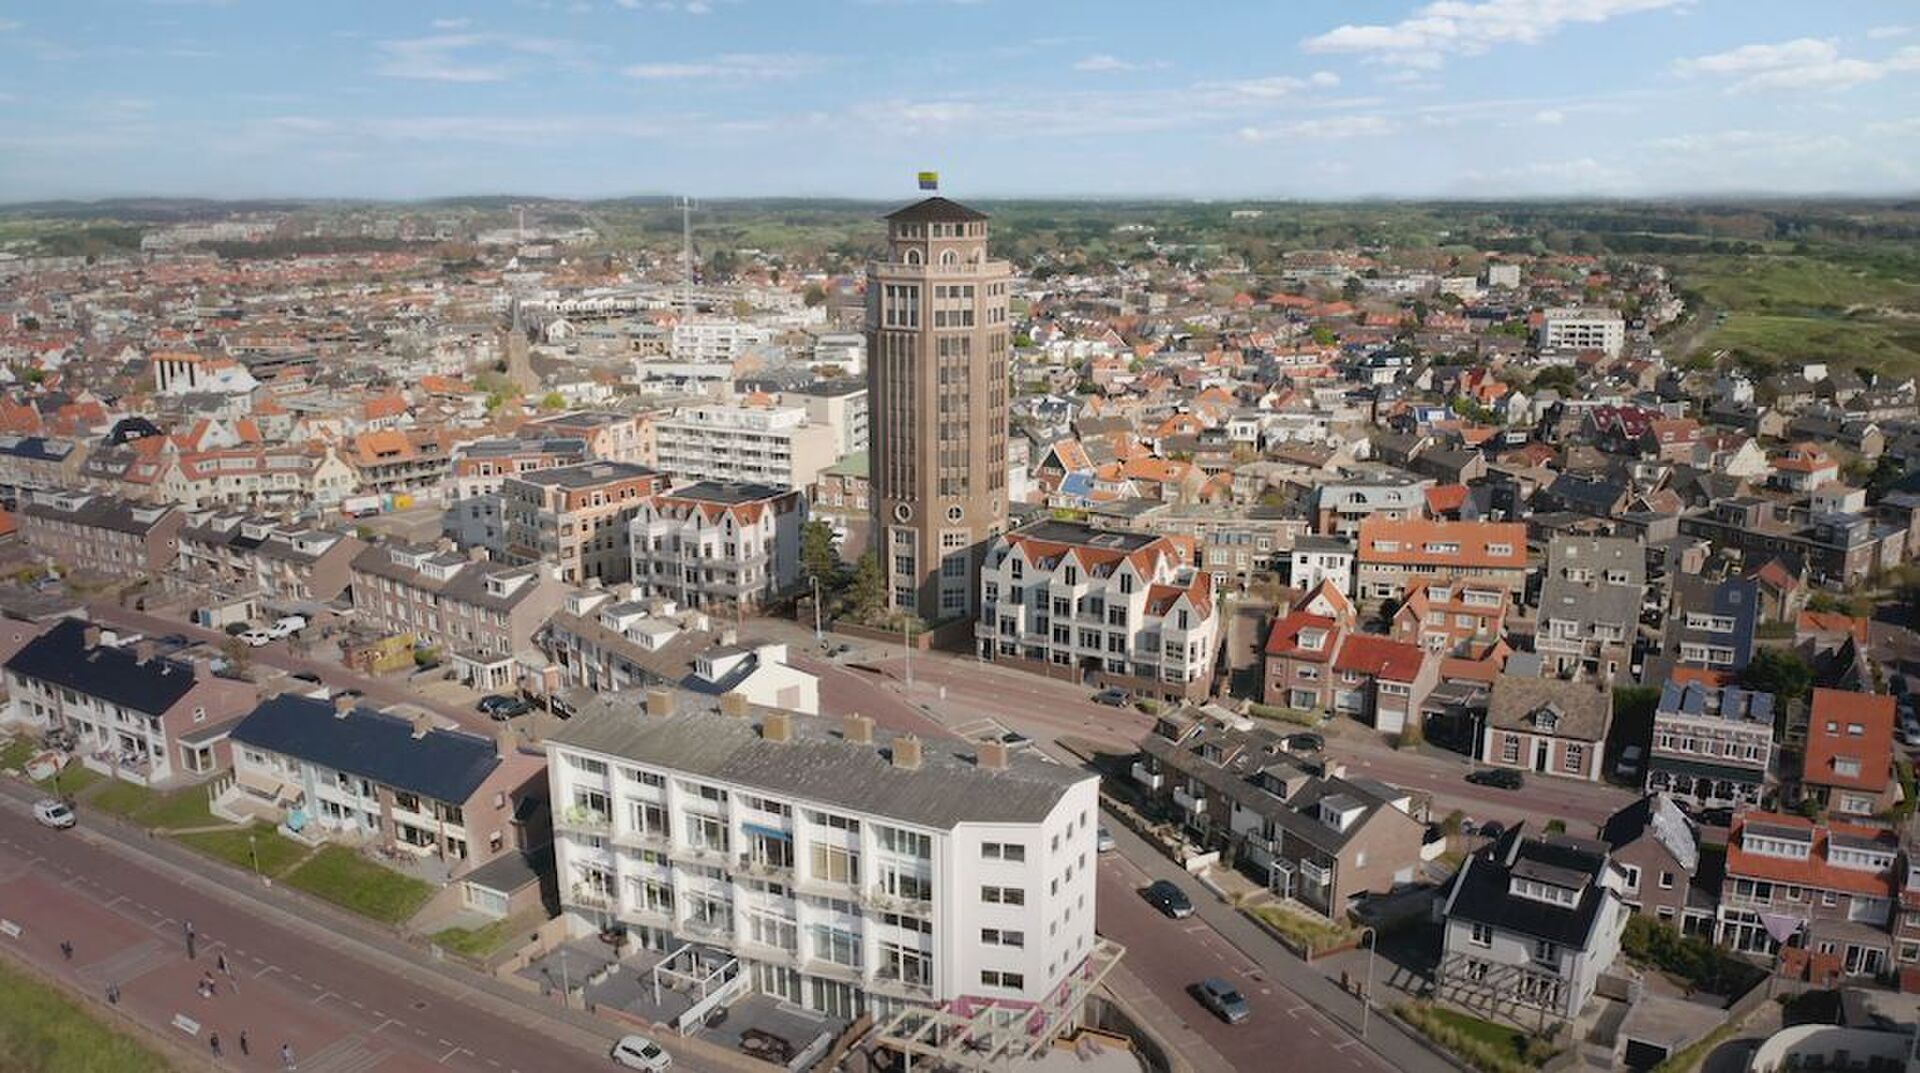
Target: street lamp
x,y
906,642
253,853
818,635
1372,939
566,982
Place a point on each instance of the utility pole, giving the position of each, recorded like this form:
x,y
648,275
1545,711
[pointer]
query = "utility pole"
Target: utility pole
x,y
686,257
906,641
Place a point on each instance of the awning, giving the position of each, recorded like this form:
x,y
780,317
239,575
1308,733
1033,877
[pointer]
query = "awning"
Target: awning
x,y
766,832
263,785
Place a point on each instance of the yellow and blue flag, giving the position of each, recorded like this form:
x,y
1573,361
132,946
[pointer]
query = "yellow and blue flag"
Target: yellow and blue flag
x,y
929,180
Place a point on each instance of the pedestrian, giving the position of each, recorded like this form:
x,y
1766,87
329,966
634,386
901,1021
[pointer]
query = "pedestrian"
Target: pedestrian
x,y
213,1041
192,952
66,949
244,1049
286,1056
113,994
224,971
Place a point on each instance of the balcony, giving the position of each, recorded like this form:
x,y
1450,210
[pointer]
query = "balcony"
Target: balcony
x,y
891,982
684,854
634,838
590,896
1188,803
880,899
582,820
763,869
1316,873
1152,780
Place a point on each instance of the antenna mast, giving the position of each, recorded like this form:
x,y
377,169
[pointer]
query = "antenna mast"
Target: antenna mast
x,y
686,256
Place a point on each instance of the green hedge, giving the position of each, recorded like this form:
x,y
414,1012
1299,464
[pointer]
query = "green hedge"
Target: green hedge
x,y
1285,715
1699,962
1484,1045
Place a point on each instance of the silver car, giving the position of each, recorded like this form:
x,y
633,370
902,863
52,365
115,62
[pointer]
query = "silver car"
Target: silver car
x,y
1226,1002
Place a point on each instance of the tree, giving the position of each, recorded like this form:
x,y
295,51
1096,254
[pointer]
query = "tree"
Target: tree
x,y
814,295
869,588
1323,335
818,555
1778,671
553,401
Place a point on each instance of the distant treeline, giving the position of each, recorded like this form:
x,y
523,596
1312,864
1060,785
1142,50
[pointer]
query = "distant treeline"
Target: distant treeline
x,y
295,247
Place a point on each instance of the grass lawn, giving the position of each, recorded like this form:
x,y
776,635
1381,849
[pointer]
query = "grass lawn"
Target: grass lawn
x,y
277,853
350,881
70,780
483,942
121,798
44,1031
1485,1031
1846,340
1316,935
179,809
16,752
1484,1045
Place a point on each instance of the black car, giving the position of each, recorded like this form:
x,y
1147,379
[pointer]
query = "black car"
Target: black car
x,y
1113,698
500,707
1307,742
1714,817
1169,899
1500,778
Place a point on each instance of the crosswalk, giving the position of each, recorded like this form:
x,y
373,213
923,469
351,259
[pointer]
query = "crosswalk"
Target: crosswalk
x,y
349,1055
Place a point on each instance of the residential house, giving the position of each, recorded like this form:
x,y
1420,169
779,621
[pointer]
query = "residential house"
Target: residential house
x,y
1314,559
1383,681
1340,505
1712,624
101,534
1590,606
719,545
360,775
576,518
235,553
1657,852
1547,725
1712,745
1847,766
1531,924
1393,555
482,615
134,714
1827,888
1450,618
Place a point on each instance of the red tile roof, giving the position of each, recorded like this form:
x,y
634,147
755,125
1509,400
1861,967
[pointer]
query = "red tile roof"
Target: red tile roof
x,y
1850,726
1381,657
1816,871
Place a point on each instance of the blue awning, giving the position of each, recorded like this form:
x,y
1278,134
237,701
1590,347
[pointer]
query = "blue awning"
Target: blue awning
x,y
766,832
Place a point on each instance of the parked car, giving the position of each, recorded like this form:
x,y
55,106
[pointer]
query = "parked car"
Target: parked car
x,y
1103,840
1306,742
500,707
287,625
639,1052
256,638
1169,899
1629,763
1500,778
1910,731
1715,817
1114,698
53,812
1223,999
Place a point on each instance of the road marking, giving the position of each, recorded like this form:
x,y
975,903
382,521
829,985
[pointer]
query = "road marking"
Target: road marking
x,y
264,971
451,1053
385,1023
356,1004
321,997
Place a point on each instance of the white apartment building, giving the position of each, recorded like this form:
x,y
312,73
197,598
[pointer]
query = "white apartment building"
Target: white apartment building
x,y
746,445
1583,329
703,340
718,545
1315,559
1127,609
840,868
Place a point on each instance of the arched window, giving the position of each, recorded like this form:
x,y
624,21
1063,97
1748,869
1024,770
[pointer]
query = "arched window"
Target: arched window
x,y
913,256
948,258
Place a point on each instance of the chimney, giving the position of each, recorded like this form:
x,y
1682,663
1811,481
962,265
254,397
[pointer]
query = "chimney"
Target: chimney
x,y
991,756
477,554
144,649
421,725
734,704
90,636
906,752
342,706
859,729
659,702
777,726
729,636
506,743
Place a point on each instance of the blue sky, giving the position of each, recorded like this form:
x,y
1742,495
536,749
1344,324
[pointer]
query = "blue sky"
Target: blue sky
x,y
1279,98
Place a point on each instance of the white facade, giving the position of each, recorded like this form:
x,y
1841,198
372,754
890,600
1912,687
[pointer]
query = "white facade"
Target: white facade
x,y
1316,560
747,445
701,340
823,902
1583,329
718,545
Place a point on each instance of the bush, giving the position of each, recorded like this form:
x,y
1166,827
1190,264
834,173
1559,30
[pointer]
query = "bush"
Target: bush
x,y
1556,826
1150,707
1689,957
1488,1047
1285,715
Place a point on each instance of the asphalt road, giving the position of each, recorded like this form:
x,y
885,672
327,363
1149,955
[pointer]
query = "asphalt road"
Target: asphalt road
x,y
341,1013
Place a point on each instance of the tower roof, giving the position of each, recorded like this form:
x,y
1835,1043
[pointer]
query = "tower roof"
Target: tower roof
x,y
936,209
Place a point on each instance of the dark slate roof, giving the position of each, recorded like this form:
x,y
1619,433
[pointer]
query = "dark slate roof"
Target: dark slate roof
x,y
60,656
936,208
1481,892
446,765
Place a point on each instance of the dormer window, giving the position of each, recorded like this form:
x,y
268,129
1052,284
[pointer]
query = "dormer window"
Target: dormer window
x,y
1548,893
1313,640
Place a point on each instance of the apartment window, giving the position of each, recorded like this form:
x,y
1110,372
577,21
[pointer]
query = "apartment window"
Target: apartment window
x,y
1576,757
1545,952
1481,935
1003,895
1003,851
1011,980
1632,873
1002,937
1666,880
1510,749
834,864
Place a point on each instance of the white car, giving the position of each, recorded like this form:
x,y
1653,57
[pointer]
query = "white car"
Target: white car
x,y
639,1052
255,638
51,812
288,626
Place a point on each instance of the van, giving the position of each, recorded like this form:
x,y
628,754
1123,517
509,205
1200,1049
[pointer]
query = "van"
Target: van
x,y
1628,765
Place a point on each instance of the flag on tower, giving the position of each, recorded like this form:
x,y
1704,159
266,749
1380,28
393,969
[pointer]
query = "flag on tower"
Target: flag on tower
x,y
929,180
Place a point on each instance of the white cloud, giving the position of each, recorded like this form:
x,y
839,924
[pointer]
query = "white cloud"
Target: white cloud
x,y
1102,62
1806,63
1882,33
450,57
730,67
452,24
1323,79
7,25
1551,117
1459,27
1333,128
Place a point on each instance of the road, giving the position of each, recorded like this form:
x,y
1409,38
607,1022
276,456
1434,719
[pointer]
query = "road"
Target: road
x,y
341,1013
379,691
